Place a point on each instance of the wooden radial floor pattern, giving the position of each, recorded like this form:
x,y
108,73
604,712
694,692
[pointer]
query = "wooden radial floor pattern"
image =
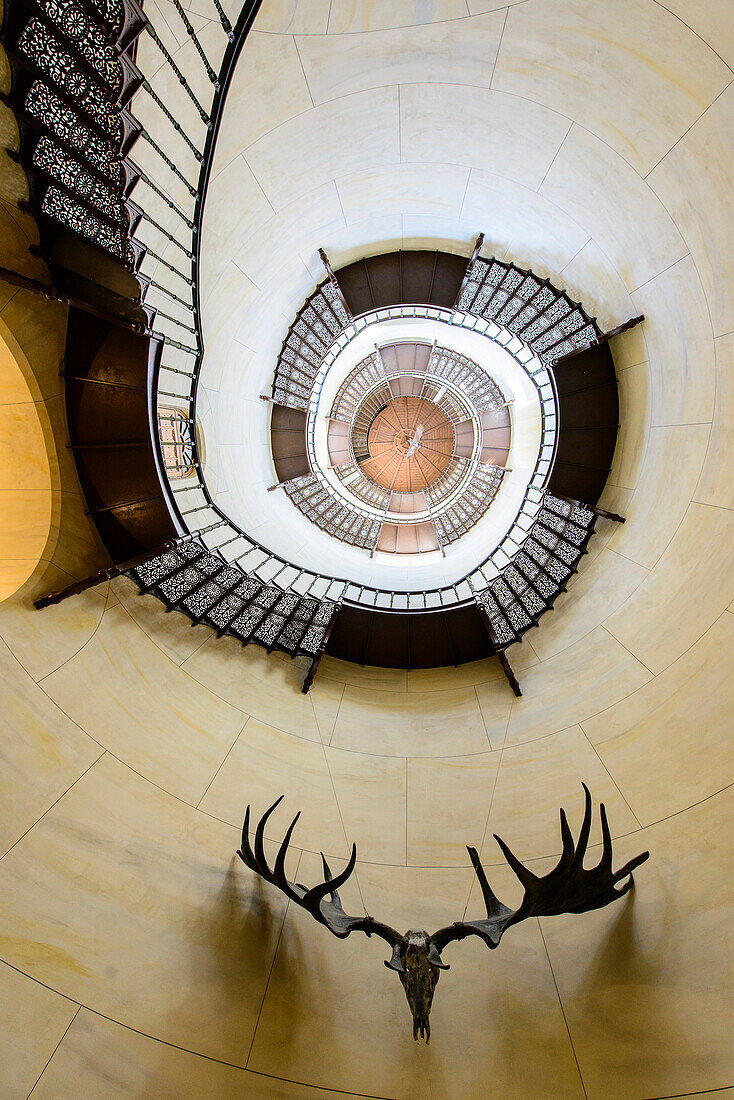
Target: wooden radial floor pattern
x,y
410,443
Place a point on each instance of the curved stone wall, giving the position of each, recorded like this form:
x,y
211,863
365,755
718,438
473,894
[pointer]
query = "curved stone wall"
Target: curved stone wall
x,y
139,957
25,496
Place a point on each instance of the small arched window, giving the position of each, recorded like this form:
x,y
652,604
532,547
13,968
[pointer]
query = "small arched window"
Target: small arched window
x,y
177,441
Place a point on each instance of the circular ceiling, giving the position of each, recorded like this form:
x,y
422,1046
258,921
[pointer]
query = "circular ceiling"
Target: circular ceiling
x,y
410,444
418,435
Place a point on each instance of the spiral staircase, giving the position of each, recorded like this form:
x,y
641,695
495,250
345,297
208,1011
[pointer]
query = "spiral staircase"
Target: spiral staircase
x,y
134,347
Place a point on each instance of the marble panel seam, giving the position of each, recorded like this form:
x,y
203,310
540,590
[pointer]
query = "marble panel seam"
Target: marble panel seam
x,y
491,802
708,504
689,128
272,967
303,70
39,682
689,647
341,818
499,43
686,255
48,1063
555,155
55,802
224,760
560,1004
166,652
594,749
721,59
401,27
651,674
338,709
166,1042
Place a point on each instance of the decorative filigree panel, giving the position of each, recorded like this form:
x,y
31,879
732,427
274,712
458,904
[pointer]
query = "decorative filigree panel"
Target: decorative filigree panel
x,y
51,112
47,53
331,515
469,379
52,160
544,317
318,324
530,584
89,39
198,582
76,217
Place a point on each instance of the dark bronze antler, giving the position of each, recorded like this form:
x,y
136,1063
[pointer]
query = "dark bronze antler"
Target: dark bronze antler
x,y
416,956
568,888
314,900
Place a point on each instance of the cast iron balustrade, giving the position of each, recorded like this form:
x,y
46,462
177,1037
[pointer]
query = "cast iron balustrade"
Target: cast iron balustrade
x,y
362,488
474,384
319,322
202,512
72,89
539,572
460,516
73,82
462,492
369,372
201,584
177,443
516,300
542,316
318,504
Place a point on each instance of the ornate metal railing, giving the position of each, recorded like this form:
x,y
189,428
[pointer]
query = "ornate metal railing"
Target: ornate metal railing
x,y
76,81
314,499
321,319
534,310
79,71
201,584
546,320
529,586
201,514
72,80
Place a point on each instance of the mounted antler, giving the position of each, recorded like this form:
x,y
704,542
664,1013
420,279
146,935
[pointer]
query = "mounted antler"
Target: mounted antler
x,y
416,956
313,901
568,888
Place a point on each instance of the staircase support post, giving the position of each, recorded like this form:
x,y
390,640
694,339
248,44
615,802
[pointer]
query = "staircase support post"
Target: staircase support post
x,y
603,339
509,674
499,653
316,659
475,252
334,282
601,512
108,574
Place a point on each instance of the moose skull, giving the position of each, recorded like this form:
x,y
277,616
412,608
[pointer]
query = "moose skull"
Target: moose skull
x,y
419,967
569,887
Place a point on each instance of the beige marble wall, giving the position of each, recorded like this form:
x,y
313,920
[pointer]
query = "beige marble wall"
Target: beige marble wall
x,y
25,481
138,957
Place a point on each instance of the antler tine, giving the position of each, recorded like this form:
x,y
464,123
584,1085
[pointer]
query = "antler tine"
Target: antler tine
x,y
569,887
628,868
330,886
328,878
491,901
583,841
606,856
567,838
260,858
279,866
527,878
245,849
